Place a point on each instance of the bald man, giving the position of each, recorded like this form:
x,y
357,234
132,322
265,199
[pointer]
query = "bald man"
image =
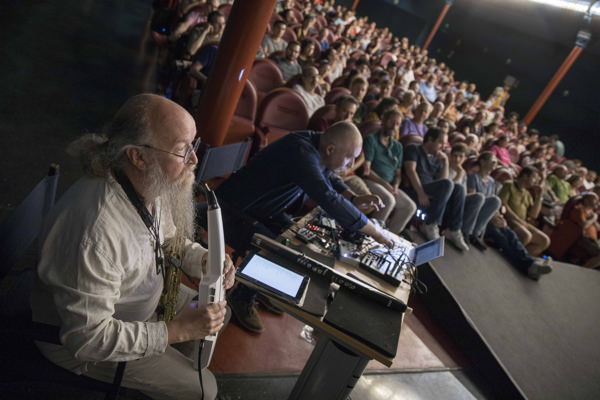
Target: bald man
x,y
258,197
100,275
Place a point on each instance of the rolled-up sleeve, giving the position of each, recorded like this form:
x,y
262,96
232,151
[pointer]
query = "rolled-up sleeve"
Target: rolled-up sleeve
x,y
308,174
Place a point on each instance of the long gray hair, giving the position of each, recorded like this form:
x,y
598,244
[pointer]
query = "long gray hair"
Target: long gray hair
x,y
99,153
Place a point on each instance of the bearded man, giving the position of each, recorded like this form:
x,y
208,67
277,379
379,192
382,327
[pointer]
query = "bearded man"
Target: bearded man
x,y
383,173
100,275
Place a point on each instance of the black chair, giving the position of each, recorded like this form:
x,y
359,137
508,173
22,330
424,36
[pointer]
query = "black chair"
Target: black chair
x,y
18,232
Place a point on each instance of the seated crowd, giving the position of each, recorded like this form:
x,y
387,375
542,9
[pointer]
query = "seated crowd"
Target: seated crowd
x,y
432,147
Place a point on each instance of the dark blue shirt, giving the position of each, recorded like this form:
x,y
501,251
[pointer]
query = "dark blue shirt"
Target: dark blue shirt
x,y
428,165
282,172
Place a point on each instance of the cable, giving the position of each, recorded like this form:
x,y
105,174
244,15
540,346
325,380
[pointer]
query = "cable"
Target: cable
x,y
199,367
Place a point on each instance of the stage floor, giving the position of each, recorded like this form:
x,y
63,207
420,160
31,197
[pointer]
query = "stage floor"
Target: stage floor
x,y
543,334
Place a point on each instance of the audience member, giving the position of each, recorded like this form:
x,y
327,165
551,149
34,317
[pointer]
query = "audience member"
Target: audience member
x,y
522,207
482,183
307,90
382,173
416,125
289,63
273,41
557,183
426,167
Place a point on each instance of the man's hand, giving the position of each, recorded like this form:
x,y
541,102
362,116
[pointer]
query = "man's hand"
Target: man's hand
x,y
368,201
228,272
441,156
395,189
537,191
498,221
423,199
384,237
195,322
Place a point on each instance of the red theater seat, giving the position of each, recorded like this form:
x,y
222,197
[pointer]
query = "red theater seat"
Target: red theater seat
x,y
335,94
325,114
265,76
242,126
366,128
411,139
289,35
280,112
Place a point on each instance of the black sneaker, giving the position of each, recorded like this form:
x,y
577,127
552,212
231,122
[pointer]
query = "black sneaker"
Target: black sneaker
x,y
246,314
268,304
478,243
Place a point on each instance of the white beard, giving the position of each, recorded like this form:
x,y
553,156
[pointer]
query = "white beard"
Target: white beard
x,y
176,197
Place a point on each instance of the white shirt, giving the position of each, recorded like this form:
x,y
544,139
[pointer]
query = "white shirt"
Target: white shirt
x,y
270,46
97,277
313,101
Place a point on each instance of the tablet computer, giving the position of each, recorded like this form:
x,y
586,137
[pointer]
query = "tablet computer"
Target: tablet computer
x,y
278,281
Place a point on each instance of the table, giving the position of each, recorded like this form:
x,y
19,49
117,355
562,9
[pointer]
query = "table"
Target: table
x,y
338,359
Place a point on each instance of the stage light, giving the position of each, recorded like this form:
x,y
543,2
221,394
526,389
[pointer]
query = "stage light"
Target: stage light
x,y
574,5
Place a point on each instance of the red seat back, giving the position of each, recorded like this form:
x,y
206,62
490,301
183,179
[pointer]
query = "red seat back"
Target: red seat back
x,y
411,139
386,57
335,94
247,103
265,76
327,112
366,128
280,112
289,35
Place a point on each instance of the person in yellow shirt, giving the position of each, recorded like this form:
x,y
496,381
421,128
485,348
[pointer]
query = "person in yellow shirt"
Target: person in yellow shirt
x,y
522,207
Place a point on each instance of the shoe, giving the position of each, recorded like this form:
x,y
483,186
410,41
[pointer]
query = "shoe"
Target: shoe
x,y
536,269
478,243
268,304
246,314
456,238
430,231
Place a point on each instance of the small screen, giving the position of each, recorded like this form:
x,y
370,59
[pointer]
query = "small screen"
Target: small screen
x,y
273,275
428,251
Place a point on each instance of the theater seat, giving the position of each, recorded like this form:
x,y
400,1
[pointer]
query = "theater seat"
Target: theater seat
x,y
366,128
386,57
242,126
280,112
335,94
289,35
411,139
501,174
265,76
327,113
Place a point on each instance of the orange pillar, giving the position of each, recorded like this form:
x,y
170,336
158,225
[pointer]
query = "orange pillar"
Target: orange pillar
x,y
558,76
355,4
437,24
243,33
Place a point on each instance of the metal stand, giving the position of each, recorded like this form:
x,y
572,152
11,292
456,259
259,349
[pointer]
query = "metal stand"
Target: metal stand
x,y
330,373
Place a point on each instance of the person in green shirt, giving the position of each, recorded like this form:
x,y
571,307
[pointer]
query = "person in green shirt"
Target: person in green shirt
x,y
557,183
382,173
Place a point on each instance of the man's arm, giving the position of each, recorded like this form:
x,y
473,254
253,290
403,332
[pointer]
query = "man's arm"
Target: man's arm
x,y
534,210
195,72
410,168
198,41
372,175
445,170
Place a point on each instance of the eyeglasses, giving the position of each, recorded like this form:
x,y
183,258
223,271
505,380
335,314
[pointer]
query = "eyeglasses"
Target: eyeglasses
x,y
191,148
